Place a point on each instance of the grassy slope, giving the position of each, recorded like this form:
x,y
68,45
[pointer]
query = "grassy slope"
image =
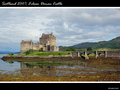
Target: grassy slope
x,y
104,49
111,44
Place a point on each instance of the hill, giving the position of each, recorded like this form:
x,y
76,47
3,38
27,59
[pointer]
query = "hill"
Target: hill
x,y
112,44
84,45
79,46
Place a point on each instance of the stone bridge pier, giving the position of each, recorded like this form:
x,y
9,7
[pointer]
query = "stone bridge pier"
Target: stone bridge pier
x,y
97,54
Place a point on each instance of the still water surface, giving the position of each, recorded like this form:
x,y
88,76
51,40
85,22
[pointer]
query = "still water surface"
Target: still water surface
x,y
72,67
6,67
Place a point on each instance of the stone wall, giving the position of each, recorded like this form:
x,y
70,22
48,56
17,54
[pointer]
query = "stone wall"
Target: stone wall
x,y
56,48
36,46
25,47
52,48
113,54
74,54
48,39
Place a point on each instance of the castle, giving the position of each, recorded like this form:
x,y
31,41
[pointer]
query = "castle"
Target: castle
x,y
47,43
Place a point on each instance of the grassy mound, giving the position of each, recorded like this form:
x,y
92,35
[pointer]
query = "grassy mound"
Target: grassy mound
x,y
42,54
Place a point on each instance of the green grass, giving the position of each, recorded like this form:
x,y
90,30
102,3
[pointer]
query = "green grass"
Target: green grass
x,y
91,54
14,78
12,55
95,77
42,54
98,49
104,49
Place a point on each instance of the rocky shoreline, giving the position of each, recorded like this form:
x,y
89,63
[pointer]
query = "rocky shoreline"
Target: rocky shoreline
x,y
50,57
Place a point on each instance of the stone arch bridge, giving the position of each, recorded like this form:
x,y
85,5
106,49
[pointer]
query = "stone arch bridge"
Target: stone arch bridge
x,y
106,54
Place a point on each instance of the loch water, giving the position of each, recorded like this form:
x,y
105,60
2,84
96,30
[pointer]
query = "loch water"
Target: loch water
x,y
6,67
70,66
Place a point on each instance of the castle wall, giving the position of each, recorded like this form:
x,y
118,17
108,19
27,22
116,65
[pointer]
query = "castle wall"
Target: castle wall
x,y
56,48
41,46
53,42
52,48
48,40
25,47
36,46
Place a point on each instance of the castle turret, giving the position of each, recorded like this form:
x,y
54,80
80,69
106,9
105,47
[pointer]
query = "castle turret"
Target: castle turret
x,y
26,45
52,34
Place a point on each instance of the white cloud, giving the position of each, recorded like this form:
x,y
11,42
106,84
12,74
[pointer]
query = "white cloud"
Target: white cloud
x,y
70,26
65,25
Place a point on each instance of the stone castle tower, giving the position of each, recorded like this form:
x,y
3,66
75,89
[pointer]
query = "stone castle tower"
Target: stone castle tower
x,y
47,42
48,39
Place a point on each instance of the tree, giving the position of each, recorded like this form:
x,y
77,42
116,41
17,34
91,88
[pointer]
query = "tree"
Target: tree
x,y
89,49
41,50
70,49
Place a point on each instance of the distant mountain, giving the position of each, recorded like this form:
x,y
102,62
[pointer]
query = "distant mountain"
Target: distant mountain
x,y
84,45
63,48
6,52
113,44
60,46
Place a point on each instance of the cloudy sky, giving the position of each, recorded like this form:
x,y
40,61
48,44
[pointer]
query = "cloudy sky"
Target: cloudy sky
x,y
70,26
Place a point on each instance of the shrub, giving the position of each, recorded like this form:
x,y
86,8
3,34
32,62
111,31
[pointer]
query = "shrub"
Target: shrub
x,y
11,54
41,50
89,49
29,51
59,53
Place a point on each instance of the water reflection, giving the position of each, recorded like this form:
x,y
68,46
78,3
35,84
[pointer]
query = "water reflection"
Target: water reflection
x,y
38,70
53,70
8,67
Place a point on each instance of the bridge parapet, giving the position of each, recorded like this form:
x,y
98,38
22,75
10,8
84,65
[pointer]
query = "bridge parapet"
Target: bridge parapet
x,y
107,54
113,54
89,52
